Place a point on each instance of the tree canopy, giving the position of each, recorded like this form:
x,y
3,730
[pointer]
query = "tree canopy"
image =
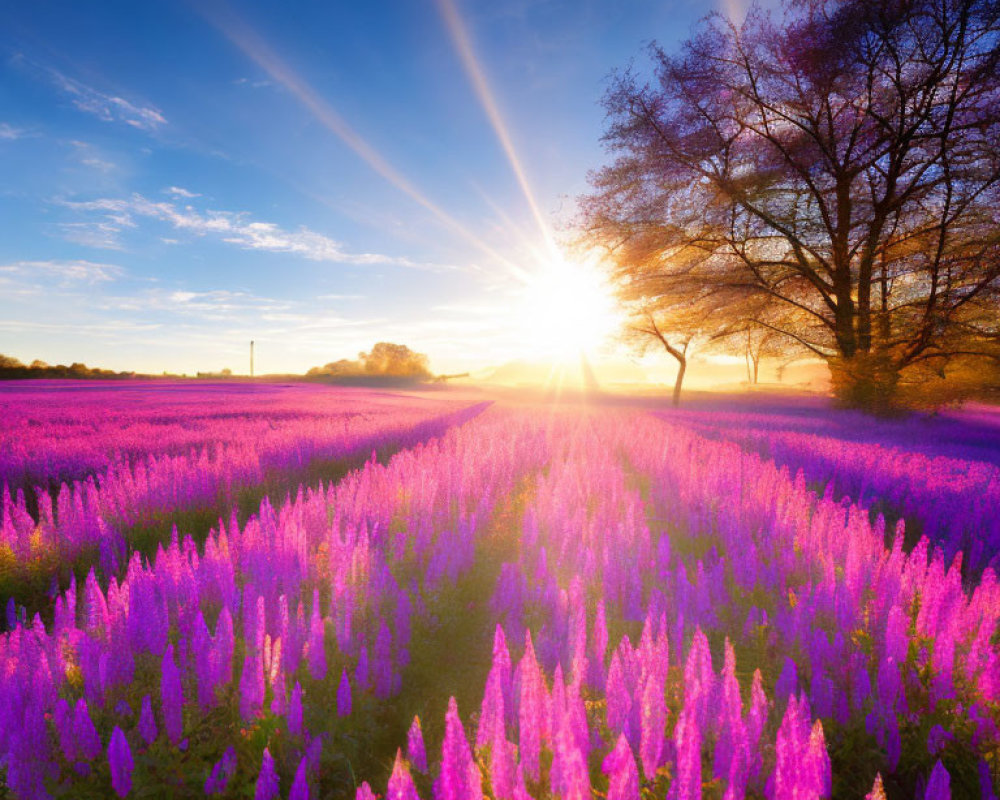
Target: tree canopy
x,y
384,360
835,166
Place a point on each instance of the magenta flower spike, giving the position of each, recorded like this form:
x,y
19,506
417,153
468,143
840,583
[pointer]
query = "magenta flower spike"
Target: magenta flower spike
x,y
731,749
569,777
344,695
172,697
687,741
401,785
502,665
364,792
120,761
317,646
294,717
416,753
939,783
147,722
88,743
222,771
300,785
62,718
502,768
878,790
619,698
223,649
802,764
459,778
361,670
251,685
623,777
653,723
383,661
267,780
532,712
491,714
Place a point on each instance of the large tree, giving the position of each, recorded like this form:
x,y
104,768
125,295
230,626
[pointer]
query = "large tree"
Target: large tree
x,y
839,161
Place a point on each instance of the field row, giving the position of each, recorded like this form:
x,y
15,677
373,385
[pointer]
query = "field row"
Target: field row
x,y
559,602
131,501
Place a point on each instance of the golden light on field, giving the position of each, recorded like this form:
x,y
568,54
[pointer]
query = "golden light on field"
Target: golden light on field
x,y
567,309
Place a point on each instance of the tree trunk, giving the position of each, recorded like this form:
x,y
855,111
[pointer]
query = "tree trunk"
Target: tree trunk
x,y
756,369
868,381
679,380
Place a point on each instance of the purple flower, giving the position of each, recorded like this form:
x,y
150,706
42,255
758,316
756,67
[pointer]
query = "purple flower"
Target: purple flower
x,y
88,743
222,771
939,784
251,685
295,711
62,717
416,753
361,670
317,646
364,792
267,779
147,722
344,696
788,680
937,739
300,786
172,697
383,661
120,761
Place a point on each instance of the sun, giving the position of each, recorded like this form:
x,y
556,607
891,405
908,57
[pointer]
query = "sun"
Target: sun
x,y
567,309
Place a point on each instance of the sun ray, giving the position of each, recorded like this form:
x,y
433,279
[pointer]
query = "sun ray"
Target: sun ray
x,y
463,43
257,50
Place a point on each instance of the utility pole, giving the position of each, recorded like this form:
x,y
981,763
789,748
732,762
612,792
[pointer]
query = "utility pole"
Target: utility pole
x,y
251,358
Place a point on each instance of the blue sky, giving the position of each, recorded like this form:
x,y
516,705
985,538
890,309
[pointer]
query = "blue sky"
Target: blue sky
x,y
180,178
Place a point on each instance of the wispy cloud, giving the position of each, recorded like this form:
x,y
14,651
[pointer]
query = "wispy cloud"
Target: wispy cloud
x,y
235,228
178,191
66,272
9,132
89,157
108,107
252,84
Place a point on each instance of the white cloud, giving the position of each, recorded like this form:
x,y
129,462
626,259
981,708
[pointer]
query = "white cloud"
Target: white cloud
x,y
9,132
178,191
76,271
109,108
231,227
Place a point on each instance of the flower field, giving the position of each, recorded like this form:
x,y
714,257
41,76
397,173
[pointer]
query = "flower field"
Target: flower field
x,y
513,601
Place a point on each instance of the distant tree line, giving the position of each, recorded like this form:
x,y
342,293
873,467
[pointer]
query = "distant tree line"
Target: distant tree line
x,y
828,173
11,369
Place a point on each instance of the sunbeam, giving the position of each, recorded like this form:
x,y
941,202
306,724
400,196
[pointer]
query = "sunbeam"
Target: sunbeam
x,y
463,43
256,49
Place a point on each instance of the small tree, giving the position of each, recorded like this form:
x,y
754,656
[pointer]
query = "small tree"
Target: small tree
x,y
648,326
386,358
